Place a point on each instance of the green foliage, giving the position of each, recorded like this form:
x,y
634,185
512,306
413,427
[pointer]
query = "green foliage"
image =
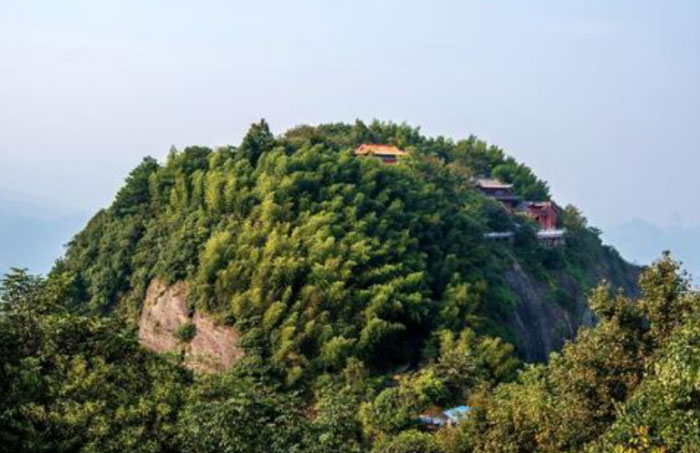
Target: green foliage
x,y
313,254
489,161
663,414
258,140
665,300
71,383
336,421
136,191
186,332
232,414
364,294
392,411
628,384
411,441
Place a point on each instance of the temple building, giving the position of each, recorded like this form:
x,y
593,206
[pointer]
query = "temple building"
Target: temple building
x,y
542,212
387,153
499,190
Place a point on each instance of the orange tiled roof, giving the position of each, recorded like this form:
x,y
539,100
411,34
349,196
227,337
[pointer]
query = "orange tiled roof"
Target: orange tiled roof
x,y
384,150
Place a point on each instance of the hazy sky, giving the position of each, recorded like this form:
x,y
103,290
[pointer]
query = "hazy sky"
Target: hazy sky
x,y
600,98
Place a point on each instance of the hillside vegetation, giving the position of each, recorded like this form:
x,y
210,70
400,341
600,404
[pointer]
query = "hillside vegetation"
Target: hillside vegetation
x,y
317,255
363,295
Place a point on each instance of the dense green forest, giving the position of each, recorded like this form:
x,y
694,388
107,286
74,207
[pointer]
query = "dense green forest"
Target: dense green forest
x,y
364,294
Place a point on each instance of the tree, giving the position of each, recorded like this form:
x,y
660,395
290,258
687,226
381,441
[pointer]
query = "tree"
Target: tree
x,y
666,300
72,383
232,414
136,191
411,442
258,140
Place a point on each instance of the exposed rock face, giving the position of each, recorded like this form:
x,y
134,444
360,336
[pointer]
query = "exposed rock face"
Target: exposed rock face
x,y
541,323
164,310
213,347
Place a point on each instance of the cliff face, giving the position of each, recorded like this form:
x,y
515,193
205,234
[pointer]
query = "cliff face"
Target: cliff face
x,y
542,323
212,348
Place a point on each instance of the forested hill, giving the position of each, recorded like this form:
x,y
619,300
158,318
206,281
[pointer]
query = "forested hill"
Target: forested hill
x,y
315,255
288,295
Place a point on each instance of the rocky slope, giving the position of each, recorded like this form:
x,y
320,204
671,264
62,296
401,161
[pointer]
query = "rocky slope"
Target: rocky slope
x,y
540,322
212,347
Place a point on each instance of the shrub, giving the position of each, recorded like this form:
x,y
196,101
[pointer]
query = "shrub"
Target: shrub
x,y
186,332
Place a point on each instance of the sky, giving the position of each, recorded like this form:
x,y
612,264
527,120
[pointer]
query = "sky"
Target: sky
x,y
600,98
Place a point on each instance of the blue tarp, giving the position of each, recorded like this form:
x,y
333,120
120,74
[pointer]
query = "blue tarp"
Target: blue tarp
x,y
450,416
455,414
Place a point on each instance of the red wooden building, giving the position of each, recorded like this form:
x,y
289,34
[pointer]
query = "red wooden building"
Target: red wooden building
x,y
542,212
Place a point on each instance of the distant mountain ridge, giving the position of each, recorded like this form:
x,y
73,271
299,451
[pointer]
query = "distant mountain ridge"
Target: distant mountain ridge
x,y
33,234
641,242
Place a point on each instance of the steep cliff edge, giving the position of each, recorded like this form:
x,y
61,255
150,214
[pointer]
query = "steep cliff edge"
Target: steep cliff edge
x,y
543,318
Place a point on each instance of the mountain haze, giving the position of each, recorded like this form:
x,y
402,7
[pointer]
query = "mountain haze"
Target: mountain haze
x,y
33,235
641,242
